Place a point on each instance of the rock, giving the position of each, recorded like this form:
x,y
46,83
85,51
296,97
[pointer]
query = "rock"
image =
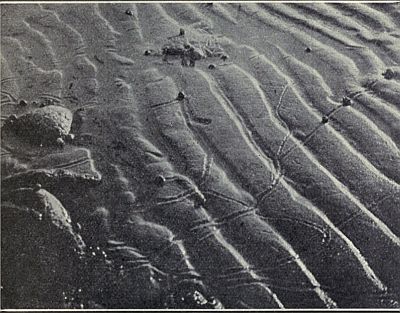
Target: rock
x,y
70,138
60,142
40,250
160,180
42,125
23,103
180,96
346,101
389,74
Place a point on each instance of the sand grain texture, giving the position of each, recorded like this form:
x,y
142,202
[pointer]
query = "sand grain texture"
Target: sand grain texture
x,y
263,173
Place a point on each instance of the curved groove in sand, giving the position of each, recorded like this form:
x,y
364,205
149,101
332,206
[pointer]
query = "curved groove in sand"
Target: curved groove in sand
x,y
364,264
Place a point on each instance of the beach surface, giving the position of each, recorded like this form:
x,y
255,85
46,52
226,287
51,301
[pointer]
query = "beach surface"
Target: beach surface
x,y
181,155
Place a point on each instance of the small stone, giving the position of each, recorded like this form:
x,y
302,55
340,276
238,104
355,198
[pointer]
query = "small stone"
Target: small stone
x,y
128,12
60,142
181,96
211,66
147,52
346,101
160,180
224,57
12,118
181,32
308,50
37,187
325,119
70,137
389,74
23,103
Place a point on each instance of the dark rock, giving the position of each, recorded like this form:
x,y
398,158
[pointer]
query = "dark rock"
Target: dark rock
x,y
389,74
180,96
70,138
60,142
40,250
160,180
346,101
23,103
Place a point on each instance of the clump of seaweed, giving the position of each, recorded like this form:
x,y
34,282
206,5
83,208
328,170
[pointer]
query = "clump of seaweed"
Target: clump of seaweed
x,y
189,51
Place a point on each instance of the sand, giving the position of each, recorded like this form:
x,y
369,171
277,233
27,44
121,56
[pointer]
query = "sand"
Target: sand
x,y
261,169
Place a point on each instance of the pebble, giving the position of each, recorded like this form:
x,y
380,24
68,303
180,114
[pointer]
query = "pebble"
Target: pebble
x,y
160,180
60,142
181,96
70,137
37,187
23,103
389,74
346,101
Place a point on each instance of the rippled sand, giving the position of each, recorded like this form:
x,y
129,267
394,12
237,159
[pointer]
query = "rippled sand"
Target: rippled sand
x,y
264,176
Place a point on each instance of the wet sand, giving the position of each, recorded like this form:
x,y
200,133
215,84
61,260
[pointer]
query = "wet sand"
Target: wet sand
x,y
264,176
